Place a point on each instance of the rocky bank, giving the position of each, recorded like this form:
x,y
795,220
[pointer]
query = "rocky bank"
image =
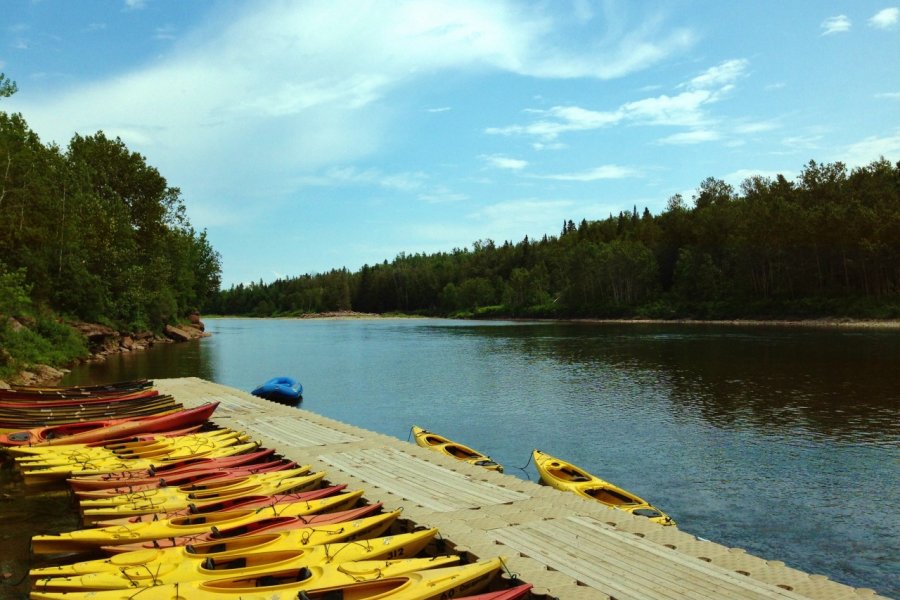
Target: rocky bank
x,y
103,341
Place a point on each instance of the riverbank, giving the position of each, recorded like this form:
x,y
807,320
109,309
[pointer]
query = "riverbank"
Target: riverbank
x,y
103,341
836,323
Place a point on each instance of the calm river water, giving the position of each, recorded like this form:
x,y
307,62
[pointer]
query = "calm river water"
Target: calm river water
x,y
783,441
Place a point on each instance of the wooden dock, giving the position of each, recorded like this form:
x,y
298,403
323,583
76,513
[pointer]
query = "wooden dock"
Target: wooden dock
x,y
568,547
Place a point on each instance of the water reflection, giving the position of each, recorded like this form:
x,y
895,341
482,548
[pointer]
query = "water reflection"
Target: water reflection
x,y
835,384
189,359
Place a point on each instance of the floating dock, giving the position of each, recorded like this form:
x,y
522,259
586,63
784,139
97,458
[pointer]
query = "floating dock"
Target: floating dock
x,y
568,547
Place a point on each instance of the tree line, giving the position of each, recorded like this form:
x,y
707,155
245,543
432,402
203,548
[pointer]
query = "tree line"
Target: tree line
x,y
824,244
93,232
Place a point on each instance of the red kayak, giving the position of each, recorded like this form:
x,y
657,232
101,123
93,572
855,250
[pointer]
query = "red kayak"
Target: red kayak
x,y
273,525
190,478
142,476
36,435
117,428
513,593
231,504
32,402
101,388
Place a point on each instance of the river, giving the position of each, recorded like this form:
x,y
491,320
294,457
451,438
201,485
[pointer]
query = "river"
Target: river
x,y
783,441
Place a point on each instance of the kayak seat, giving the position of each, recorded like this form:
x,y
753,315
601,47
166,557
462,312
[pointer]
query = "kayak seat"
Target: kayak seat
x,y
271,580
210,564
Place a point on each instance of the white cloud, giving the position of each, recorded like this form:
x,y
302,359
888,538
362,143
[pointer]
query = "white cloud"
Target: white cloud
x,y
685,109
439,109
889,95
838,24
696,136
872,148
886,18
504,162
595,174
135,4
719,76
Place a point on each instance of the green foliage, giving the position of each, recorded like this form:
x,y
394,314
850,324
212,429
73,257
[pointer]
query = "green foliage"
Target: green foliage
x,y
7,87
99,233
43,340
14,292
827,244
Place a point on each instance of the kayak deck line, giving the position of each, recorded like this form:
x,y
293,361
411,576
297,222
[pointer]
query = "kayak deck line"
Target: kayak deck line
x,y
569,547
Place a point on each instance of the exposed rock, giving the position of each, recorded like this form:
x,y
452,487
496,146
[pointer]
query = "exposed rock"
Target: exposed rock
x,y
178,334
101,339
4,385
15,325
127,342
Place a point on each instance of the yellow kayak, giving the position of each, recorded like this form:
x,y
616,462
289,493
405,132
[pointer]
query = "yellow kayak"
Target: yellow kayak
x,y
151,504
171,565
86,539
565,476
27,453
254,565
348,581
313,534
427,439
40,473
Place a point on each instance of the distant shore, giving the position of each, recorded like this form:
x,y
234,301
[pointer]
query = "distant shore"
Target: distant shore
x,y
824,323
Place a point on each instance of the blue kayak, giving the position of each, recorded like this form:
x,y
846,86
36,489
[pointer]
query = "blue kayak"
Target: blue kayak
x,y
280,389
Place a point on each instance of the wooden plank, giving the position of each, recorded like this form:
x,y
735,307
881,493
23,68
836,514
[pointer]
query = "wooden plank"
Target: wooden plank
x,y
427,484
626,566
299,433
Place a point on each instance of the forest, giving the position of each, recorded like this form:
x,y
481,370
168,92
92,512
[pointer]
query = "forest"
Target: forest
x,y
91,233
826,244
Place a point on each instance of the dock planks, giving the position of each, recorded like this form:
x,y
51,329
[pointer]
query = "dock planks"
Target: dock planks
x,y
568,547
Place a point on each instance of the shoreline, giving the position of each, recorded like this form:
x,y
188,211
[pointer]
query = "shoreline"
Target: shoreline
x,y
821,323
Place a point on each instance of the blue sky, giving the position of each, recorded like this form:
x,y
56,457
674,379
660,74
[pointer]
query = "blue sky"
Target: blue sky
x,y
307,136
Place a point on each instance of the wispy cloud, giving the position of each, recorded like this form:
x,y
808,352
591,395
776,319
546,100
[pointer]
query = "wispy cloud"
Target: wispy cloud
x,y
499,161
889,95
439,109
695,136
838,24
135,4
165,33
719,76
685,109
886,18
873,148
595,174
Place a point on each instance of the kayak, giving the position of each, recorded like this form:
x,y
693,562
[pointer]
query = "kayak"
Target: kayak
x,y
513,593
93,431
313,530
86,390
82,539
255,501
34,455
427,439
172,565
404,579
188,478
151,504
249,565
143,476
194,491
565,476
40,474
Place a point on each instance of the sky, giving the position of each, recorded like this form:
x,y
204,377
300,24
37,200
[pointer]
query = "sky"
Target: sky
x,y
312,135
